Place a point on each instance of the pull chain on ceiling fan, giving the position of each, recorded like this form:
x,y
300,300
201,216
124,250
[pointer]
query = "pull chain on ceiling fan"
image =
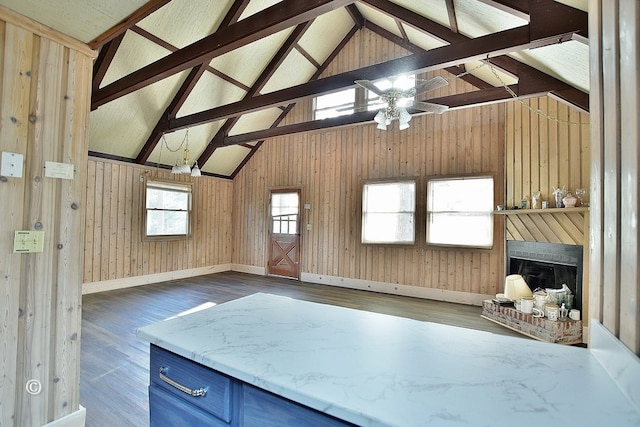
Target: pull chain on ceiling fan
x,y
394,99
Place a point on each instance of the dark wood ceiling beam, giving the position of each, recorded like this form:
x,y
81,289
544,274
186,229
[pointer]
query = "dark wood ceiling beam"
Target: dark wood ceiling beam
x,y
119,29
504,62
455,70
170,112
289,107
519,8
260,82
278,17
446,56
527,88
453,20
357,17
171,48
185,89
102,62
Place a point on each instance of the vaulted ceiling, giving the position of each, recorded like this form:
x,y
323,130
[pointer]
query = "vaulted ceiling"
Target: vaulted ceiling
x,y
223,74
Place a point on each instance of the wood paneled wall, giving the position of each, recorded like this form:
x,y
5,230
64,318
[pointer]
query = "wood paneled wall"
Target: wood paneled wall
x,y
45,81
615,134
547,146
114,244
331,166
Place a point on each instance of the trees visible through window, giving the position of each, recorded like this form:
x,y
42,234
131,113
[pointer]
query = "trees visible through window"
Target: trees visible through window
x,y
388,212
168,207
459,212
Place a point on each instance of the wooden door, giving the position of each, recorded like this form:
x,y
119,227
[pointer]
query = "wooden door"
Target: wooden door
x,y
284,242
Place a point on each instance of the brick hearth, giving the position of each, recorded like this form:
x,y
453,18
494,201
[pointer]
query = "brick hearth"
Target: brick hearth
x,y
560,331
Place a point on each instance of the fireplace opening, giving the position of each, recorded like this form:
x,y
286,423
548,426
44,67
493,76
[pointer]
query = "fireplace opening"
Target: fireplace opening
x,y
547,266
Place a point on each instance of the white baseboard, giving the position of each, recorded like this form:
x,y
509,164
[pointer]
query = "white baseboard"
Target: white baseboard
x,y
249,269
398,289
74,419
129,282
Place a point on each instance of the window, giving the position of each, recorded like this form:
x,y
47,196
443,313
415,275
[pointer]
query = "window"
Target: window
x,y
284,213
168,209
388,212
348,101
459,212
335,104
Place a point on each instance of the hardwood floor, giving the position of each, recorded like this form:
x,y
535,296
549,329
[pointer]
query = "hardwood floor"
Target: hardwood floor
x,y
115,364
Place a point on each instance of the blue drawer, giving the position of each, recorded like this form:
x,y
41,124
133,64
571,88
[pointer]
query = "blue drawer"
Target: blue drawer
x,y
167,410
180,376
263,409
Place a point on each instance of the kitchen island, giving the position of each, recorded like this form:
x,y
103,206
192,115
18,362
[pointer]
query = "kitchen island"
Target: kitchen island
x,y
372,369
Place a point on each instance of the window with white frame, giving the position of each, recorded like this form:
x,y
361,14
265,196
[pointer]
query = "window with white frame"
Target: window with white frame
x,y
459,211
388,212
167,209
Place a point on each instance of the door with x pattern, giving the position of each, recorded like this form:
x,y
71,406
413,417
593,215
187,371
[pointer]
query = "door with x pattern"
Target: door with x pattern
x,y
284,242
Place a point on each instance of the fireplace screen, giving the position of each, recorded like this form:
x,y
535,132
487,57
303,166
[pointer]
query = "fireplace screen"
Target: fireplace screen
x,y
547,265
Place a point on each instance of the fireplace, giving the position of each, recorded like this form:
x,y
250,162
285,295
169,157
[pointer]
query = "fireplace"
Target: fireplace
x,y
547,265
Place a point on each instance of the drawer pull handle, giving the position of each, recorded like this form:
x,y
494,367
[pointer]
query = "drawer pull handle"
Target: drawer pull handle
x,y
194,392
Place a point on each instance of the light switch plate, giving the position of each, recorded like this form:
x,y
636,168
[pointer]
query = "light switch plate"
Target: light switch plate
x,y
28,241
11,164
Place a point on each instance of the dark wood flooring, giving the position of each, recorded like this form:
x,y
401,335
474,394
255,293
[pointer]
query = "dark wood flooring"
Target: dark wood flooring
x,y
115,364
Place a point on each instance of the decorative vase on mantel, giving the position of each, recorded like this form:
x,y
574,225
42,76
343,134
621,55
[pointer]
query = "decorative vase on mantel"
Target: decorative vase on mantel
x,y
569,200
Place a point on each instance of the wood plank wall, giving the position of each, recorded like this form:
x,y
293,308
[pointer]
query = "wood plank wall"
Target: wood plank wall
x,y
45,81
547,146
331,166
114,244
615,131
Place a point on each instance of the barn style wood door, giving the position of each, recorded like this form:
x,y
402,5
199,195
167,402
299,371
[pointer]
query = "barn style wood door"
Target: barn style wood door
x,y
284,242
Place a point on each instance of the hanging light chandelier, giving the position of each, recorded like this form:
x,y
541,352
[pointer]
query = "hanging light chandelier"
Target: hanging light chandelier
x,y
183,168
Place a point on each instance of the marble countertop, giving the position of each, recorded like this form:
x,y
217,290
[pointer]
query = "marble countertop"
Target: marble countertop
x,y
378,370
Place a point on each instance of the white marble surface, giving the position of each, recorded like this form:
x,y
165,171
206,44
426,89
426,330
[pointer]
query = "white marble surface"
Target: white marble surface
x,y
379,370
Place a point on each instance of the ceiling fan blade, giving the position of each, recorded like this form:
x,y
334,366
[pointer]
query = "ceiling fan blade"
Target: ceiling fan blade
x,y
431,84
430,107
369,86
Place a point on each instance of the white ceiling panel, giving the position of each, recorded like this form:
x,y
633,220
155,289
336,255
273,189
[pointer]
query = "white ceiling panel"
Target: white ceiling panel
x,y
422,40
255,121
135,52
326,33
225,160
246,63
170,149
379,18
121,127
81,19
174,22
436,10
211,91
568,62
295,69
256,6
476,19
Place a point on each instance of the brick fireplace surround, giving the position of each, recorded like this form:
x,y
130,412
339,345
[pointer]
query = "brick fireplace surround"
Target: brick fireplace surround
x,y
560,331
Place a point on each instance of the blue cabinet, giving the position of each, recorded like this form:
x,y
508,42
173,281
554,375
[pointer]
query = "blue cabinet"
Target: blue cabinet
x,y
185,393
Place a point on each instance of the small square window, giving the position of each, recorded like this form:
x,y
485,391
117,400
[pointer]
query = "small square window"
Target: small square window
x,y
459,212
388,212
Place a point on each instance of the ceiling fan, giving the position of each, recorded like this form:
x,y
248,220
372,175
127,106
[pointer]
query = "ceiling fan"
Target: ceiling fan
x,y
396,99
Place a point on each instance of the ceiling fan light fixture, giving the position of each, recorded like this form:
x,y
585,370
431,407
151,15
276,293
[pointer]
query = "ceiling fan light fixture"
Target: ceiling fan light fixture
x,y
381,117
404,115
382,125
402,125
